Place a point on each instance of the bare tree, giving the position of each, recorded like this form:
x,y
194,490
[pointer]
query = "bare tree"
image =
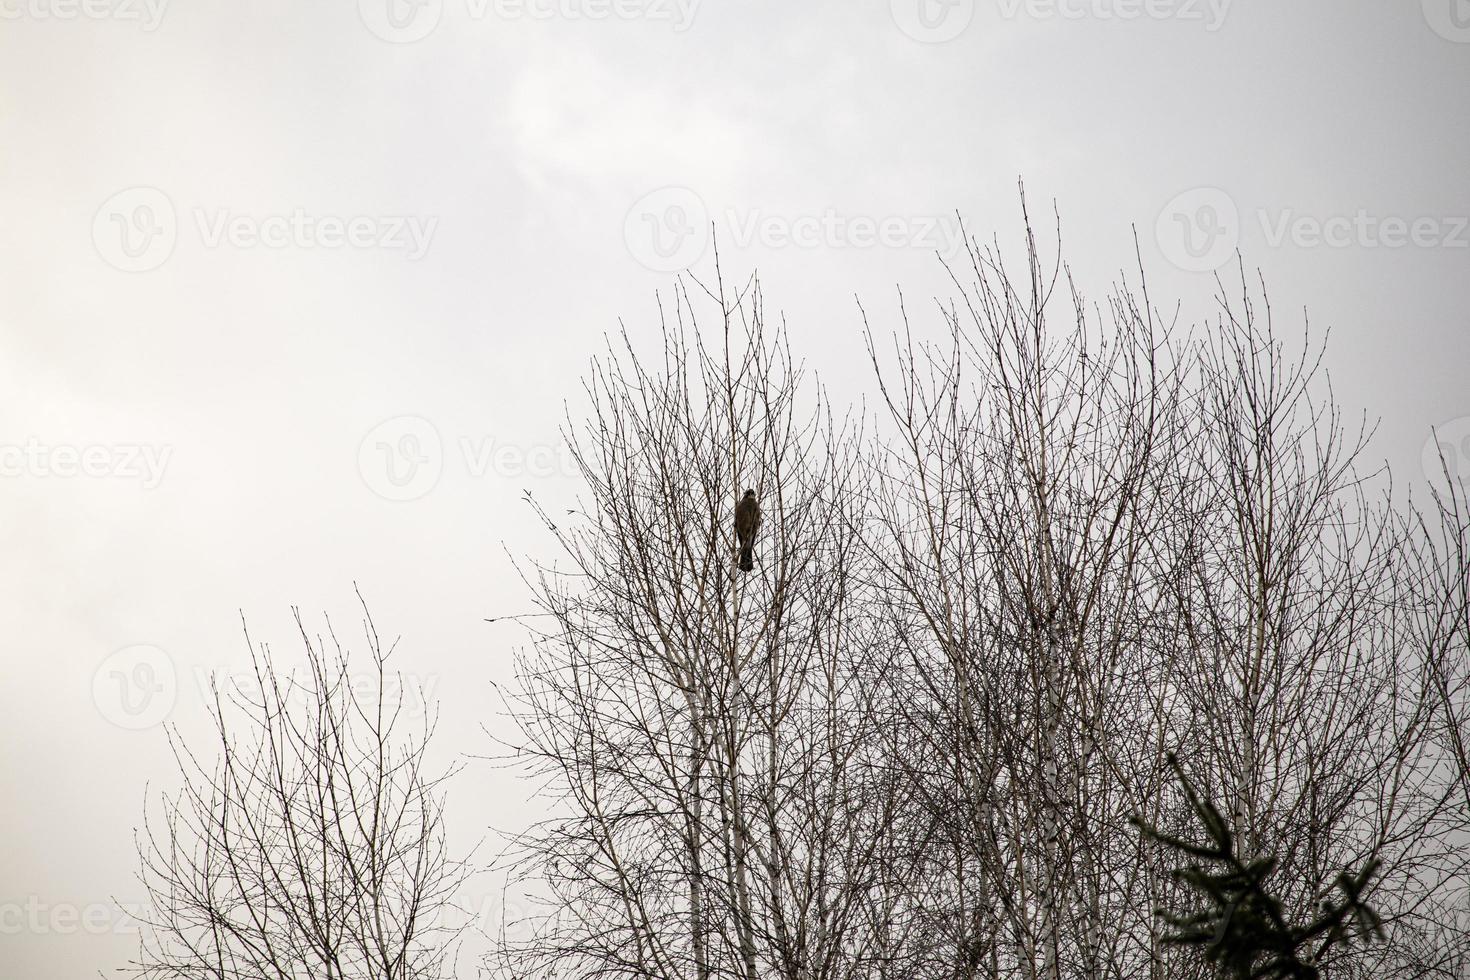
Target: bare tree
x,y
713,761
1026,502
1107,542
312,844
1076,539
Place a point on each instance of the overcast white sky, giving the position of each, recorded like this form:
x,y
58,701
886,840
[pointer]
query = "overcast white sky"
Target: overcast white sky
x,y
256,258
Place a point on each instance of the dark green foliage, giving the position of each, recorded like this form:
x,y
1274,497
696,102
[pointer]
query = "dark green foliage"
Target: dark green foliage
x,y
1242,928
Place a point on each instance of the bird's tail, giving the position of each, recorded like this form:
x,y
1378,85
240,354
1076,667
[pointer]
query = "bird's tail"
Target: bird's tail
x,y
747,560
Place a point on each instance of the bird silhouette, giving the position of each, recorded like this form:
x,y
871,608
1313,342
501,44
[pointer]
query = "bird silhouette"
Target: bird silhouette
x,y
747,523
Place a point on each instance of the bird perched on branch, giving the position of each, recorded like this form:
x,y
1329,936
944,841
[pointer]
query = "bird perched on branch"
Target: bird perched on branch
x,y
747,522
